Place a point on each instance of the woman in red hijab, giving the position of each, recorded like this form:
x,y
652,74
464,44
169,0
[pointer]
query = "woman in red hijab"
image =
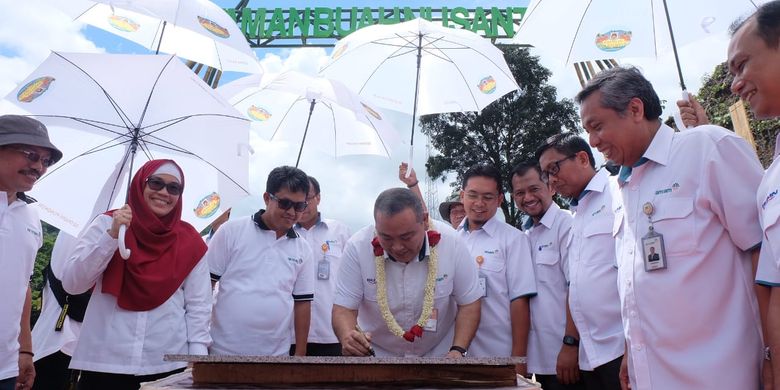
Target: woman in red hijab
x,y
156,302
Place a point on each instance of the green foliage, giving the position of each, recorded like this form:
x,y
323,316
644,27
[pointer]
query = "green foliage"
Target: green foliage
x,y
41,261
716,97
505,132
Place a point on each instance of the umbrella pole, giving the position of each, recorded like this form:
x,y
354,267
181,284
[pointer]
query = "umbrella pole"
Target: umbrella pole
x,y
123,251
414,109
674,48
161,37
306,130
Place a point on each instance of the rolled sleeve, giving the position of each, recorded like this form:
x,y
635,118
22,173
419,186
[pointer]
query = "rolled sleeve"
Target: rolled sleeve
x,y
349,283
520,273
734,173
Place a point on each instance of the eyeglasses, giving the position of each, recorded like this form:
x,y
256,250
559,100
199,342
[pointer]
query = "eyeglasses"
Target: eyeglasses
x,y
485,197
286,204
554,168
34,157
157,184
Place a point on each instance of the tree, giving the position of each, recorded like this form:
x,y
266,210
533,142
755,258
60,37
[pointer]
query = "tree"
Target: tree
x,y
505,132
41,261
716,98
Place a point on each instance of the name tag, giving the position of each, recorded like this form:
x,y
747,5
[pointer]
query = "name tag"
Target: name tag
x,y
430,325
323,270
482,285
653,250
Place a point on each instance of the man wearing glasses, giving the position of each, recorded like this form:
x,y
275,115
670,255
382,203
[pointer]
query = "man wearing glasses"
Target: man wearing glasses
x,y
506,271
266,274
25,154
327,238
594,332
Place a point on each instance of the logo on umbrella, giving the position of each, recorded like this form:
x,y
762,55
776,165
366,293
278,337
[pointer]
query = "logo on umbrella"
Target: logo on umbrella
x,y
34,89
122,23
487,85
613,40
258,113
207,206
213,27
371,111
340,51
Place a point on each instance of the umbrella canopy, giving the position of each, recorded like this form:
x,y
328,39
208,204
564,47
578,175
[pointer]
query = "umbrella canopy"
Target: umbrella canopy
x,y
582,30
106,110
458,69
304,110
197,30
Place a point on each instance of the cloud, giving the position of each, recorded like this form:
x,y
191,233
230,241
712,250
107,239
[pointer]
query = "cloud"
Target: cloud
x,y
29,31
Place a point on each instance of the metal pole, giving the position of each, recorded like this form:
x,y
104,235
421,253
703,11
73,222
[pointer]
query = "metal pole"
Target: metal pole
x,y
306,130
674,47
416,85
161,37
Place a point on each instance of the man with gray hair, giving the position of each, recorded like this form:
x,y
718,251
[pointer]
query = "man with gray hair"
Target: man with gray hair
x,y
25,154
689,195
414,292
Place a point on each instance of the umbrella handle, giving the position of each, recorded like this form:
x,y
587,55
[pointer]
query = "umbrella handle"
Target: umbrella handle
x,y
411,161
123,251
677,118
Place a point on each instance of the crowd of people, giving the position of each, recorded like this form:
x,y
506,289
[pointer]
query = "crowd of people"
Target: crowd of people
x,y
663,276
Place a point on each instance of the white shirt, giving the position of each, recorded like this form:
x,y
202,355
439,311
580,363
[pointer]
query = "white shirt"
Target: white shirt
x,y
768,201
593,293
695,324
327,239
46,340
509,270
260,277
20,238
549,250
120,341
456,284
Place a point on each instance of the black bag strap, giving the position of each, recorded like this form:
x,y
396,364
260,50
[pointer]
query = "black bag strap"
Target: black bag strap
x,y
77,304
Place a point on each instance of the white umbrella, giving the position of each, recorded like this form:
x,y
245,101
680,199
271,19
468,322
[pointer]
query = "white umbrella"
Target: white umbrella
x,y
197,30
300,109
582,30
419,67
105,111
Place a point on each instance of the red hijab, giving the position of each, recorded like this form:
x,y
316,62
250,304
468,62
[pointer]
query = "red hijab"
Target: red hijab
x,y
164,251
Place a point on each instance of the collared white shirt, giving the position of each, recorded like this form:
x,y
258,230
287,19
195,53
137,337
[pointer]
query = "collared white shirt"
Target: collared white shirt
x,y
456,284
593,293
327,239
46,340
549,250
20,239
695,324
768,202
260,278
509,270
120,341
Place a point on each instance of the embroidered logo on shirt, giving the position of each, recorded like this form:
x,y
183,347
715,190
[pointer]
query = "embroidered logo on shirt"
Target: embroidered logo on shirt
x,y
371,281
441,278
769,198
34,232
663,191
295,260
493,252
598,211
618,209
545,246
675,187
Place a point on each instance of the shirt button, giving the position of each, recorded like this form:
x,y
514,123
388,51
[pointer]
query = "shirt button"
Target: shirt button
x,y
638,347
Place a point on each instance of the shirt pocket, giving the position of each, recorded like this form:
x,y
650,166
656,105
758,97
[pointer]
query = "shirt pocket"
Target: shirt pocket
x,y
597,228
548,268
493,262
444,286
672,218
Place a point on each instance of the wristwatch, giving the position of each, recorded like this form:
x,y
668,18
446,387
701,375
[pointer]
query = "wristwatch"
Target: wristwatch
x,y
462,350
571,340
767,354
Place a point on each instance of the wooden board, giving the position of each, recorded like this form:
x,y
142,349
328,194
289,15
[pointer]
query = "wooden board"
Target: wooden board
x,y
339,372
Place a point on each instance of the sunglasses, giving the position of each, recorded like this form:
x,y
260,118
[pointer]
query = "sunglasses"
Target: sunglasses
x,y
286,204
157,184
34,157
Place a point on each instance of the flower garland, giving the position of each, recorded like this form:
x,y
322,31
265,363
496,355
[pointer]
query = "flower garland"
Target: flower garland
x,y
430,285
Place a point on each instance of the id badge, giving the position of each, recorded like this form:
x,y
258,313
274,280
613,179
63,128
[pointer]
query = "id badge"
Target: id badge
x,y
430,325
323,270
654,254
482,284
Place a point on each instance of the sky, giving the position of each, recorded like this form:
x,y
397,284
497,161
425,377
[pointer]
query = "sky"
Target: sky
x,y
30,29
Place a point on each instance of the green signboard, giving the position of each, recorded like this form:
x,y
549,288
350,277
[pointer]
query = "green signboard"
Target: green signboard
x,y
322,22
